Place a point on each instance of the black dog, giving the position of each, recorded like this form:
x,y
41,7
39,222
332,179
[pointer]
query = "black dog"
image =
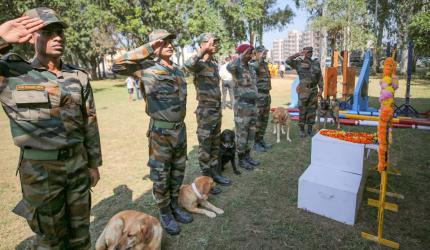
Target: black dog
x,y
227,150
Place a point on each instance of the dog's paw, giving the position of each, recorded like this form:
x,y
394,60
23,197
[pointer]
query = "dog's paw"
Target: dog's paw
x,y
288,139
211,214
237,172
219,211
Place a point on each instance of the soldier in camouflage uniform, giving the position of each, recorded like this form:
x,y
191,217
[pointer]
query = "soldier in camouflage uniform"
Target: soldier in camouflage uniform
x,y
208,112
245,109
165,94
53,121
263,99
310,76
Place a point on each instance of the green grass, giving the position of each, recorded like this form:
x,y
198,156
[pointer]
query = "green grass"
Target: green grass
x,y
261,206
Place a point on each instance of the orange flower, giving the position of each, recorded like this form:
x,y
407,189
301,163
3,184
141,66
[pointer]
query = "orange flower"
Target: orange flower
x,y
356,137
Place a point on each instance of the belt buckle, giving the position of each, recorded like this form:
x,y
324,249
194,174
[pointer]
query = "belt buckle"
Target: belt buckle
x,y
177,125
63,154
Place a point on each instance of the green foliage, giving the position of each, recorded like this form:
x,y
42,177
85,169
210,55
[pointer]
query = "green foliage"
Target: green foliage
x,y
419,32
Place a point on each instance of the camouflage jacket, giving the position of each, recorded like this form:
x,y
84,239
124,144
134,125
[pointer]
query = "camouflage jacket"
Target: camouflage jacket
x,y
263,75
49,112
245,88
309,72
206,80
165,87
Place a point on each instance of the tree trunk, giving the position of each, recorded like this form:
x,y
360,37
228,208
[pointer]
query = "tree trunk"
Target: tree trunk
x,y
93,64
103,67
182,53
323,51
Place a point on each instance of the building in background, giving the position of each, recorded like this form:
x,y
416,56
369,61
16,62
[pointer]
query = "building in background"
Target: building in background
x,y
295,42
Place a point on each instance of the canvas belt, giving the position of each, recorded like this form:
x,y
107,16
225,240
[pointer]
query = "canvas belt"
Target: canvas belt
x,y
46,155
247,100
209,104
166,124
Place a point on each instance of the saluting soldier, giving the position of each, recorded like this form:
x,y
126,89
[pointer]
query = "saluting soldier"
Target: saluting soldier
x,y
165,94
264,86
310,77
245,109
53,121
208,112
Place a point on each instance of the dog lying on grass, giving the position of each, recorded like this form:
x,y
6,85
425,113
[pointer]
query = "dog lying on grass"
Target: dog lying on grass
x,y
192,195
281,120
131,229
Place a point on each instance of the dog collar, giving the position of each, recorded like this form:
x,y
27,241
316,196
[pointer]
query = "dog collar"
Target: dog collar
x,y
199,195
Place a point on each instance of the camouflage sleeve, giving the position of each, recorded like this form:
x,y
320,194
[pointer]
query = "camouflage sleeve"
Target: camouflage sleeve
x,y
4,46
292,63
129,63
193,63
92,136
234,65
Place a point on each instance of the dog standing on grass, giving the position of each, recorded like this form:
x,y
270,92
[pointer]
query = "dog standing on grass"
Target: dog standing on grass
x,y
131,229
328,108
281,120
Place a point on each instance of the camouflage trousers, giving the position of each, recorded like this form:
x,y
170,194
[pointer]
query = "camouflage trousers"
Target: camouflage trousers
x,y
56,201
227,86
308,104
263,111
167,160
208,134
245,120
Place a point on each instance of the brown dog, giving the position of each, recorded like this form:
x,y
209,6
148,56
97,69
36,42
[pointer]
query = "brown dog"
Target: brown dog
x,y
328,108
281,119
131,229
192,195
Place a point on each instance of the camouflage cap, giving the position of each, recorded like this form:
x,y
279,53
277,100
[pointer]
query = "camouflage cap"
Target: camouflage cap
x,y
260,48
48,16
308,49
204,37
160,34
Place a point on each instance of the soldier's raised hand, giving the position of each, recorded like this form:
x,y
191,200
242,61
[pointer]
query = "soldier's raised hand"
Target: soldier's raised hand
x,y
207,47
156,44
19,30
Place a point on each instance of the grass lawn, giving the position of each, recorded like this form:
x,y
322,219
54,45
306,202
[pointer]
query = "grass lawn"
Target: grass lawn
x,y
261,206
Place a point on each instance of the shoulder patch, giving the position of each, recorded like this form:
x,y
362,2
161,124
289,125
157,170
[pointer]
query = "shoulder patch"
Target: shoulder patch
x,y
161,72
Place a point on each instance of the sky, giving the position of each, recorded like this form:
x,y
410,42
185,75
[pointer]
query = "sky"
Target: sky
x,y
298,23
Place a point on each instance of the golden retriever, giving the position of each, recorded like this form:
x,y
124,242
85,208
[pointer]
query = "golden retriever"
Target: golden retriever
x,y
281,119
131,229
190,197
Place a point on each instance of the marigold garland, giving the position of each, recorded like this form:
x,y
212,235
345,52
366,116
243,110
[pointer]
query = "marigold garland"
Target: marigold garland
x,y
356,137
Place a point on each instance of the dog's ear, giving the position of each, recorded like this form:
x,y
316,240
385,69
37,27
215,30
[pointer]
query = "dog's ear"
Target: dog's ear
x,y
206,187
146,231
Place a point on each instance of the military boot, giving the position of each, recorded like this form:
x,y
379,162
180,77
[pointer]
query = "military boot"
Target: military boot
x,y
310,131
266,145
168,221
180,214
259,147
250,160
243,163
218,178
214,190
302,131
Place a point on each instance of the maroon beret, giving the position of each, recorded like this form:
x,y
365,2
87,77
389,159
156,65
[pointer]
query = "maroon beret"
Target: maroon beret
x,y
241,48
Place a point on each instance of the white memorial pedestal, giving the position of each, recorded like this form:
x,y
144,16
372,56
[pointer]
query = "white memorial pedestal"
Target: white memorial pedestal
x,y
332,185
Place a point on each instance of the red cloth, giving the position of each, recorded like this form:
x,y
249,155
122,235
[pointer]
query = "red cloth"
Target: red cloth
x,y
241,48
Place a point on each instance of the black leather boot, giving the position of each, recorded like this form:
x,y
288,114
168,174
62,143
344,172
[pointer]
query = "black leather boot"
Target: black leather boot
x,y
180,214
168,221
310,130
214,190
302,131
218,178
243,163
250,160
266,145
259,147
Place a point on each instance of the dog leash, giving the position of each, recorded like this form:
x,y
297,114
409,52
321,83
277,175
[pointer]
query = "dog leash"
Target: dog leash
x,y
199,195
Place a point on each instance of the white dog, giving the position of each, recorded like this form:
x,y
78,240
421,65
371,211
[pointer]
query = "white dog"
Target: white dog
x,y
281,119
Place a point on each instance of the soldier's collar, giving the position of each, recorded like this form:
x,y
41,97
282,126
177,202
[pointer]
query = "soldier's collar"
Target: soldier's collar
x,y
36,64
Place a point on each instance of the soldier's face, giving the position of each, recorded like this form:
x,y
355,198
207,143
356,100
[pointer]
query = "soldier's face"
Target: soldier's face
x,y
309,54
49,41
166,49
